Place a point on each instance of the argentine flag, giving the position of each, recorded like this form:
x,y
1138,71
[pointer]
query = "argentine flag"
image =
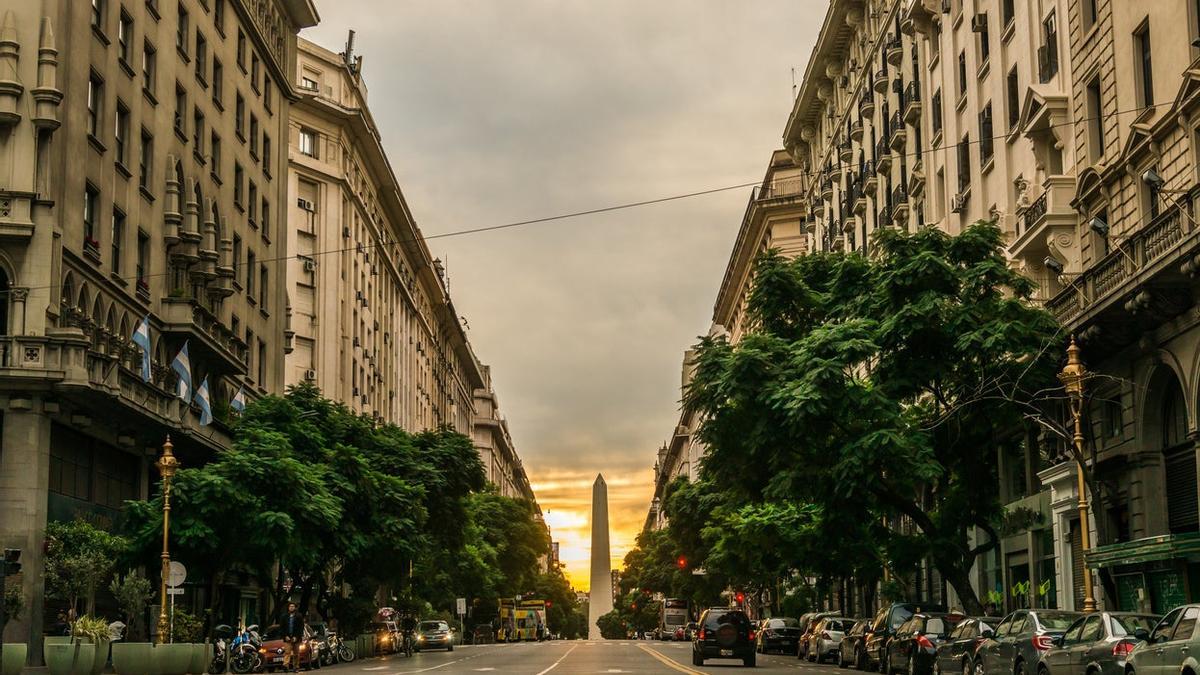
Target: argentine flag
x,y
204,402
141,338
183,365
239,400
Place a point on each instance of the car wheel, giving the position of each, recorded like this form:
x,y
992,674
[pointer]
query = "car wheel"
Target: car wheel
x,y
749,661
696,660
1020,669
841,658
450,648
968,668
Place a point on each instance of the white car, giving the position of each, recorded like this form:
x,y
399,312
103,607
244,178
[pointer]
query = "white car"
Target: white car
x,y
826,639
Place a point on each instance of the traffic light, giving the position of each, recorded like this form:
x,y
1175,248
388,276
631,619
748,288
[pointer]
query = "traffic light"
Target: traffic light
x,y
740,598
12,556
682,562
549,604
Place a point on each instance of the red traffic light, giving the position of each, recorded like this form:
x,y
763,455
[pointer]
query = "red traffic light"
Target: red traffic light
x,y
741,598
549,604
682,562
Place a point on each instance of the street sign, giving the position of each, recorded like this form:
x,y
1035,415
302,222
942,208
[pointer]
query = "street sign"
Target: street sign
x,y
177,574
175,591
461,604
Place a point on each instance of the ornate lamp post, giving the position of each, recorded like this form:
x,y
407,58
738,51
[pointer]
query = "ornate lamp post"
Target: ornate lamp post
x,y
167,465
1072,377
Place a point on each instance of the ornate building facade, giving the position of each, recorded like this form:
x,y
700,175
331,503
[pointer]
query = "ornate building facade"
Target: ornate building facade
x,y
144,162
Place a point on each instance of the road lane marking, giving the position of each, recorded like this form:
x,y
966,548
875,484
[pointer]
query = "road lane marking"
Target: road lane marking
x,y
560,660
672,663
425,670
376,668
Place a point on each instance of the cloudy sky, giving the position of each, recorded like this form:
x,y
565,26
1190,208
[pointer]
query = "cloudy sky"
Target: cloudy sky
x,y
495,111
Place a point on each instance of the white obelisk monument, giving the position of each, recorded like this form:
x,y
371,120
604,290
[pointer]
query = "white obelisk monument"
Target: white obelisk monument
x,y
600,596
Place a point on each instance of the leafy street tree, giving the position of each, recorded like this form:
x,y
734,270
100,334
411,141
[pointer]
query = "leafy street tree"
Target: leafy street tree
x,y
80,558
867,387
132,593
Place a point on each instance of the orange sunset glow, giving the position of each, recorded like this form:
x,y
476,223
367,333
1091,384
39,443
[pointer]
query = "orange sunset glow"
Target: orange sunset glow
x,y
565,497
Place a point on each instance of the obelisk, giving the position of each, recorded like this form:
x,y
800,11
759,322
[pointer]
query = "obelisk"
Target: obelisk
x,y
600,596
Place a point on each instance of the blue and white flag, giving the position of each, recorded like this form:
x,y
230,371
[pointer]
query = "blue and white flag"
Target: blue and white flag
x,y
183,365
141,338
205,404
239,400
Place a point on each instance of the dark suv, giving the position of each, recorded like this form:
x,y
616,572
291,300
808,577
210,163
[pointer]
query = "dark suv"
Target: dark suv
x,y
724,634
883,629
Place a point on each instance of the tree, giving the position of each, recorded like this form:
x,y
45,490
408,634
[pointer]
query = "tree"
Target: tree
x,y
132,594
80,557
863,388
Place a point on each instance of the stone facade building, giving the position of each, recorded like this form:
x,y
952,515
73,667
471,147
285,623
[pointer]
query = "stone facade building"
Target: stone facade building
x,y
141,140
371,322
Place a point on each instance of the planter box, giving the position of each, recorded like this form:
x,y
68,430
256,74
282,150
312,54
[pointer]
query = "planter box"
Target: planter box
x,y
133,658
201,657
69,658
15,654
172,659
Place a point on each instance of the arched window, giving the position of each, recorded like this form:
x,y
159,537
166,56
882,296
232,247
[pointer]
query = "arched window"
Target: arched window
x,y
1179,455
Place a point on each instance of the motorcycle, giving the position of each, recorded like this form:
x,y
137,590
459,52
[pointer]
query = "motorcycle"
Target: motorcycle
x,y
335,650
220,662
243,651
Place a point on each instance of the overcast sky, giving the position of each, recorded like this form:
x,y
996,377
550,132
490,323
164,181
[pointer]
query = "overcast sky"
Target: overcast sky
x,y
504,110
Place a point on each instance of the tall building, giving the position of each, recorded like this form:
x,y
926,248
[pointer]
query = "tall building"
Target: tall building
x,y
600,592
370,318
143,164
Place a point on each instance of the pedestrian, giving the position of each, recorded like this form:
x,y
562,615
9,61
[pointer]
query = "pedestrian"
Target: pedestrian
x,y
293,633
61,627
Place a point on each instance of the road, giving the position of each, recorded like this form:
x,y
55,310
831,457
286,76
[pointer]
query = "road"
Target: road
x,y
572,657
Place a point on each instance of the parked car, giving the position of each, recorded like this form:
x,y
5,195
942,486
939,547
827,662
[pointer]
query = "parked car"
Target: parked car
x,y
780,634
884,626
913,649
1167,648
956,654
724,634
434,635
1021,640
1097,644
272,650
825,639
852,648
806,631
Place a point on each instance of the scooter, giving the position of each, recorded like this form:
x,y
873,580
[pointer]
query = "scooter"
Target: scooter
x,y
243,651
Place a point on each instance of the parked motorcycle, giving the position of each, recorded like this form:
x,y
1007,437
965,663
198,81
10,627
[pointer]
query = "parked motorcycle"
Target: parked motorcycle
x,y
334,649
220,662
243,651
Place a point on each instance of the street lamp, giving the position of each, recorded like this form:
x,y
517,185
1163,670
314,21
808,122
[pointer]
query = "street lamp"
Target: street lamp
x,y
1072,377
167,465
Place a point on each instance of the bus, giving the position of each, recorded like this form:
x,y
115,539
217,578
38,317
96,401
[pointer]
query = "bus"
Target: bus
x,y
521,621
674,615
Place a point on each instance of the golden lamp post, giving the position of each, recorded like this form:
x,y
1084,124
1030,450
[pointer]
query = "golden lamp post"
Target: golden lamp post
x,y
167,465
1072,377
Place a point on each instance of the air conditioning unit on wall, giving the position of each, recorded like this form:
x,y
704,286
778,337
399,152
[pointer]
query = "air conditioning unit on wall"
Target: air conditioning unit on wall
x,y
310,375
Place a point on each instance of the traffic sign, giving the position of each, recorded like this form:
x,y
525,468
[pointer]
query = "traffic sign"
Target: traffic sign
x,y
177,574
175,591
461,604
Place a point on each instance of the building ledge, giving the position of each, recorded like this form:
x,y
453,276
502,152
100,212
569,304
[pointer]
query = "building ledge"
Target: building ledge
x,y
1148,549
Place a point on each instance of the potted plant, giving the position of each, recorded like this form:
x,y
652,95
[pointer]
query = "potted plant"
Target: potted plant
x,y
91,630
15,653
69,658
132,593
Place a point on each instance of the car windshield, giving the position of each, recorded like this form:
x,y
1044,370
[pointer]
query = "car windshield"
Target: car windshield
x,y
1056,621
899,616
783,623
434,625
937,625
274,633
1128,625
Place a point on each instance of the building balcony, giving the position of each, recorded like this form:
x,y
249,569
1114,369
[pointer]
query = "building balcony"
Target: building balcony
x,y
885,216
883,157
210,341
881,81
866,107
779,190
912,103
894,50
1047,226
856,131
899,132
845,151
859,205
900,205
827,189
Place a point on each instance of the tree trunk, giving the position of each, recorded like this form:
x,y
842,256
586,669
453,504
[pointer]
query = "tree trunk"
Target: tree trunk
x,y
957,574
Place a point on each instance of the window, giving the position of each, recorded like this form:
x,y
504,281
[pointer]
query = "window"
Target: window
x,y
95,102
241,50
218,86
985,44
1087,10
121,133
962,74
1163,630
263,288
250,351
219,16
239,117
1007,13
198,131
1100,242
1095,122
308,142
308,83
118,235
964,164
149,66
266,154
1113,424
262,362
125,37
986,143
98,15
1091,629
266,217
237,261
936,104
251,265
214,155
1048,52
91,197
254,71
145,159
237,184
201,58
180,111
143,259
1144,66
71,469
181,31
1013,92
254,136
268,95
1187,624
252,203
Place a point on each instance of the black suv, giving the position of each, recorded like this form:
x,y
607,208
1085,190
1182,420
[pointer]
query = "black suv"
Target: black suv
x,y
724,634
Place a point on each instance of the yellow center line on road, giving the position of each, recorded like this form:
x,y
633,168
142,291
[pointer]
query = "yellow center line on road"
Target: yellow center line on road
x,y
560,660
669,662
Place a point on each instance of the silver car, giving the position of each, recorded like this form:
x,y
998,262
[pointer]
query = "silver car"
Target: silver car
x,y
825,640
1097,644
1169,646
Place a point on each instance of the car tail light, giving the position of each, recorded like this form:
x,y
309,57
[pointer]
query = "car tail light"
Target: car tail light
x,y
701,633
1042,643
752,635
1122,649
923,641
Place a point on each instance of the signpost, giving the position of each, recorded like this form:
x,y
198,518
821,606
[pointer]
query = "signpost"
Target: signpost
x,y
461,606
176,575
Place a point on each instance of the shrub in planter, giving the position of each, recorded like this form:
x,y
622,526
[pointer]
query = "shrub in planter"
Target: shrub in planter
x,y
15,654
92,630
133,658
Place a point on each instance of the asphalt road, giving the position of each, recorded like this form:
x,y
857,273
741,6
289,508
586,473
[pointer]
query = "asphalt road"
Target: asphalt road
x,y
571,657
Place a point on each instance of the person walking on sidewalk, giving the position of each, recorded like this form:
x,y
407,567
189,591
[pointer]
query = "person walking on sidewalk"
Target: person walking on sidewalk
x,y
293,633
